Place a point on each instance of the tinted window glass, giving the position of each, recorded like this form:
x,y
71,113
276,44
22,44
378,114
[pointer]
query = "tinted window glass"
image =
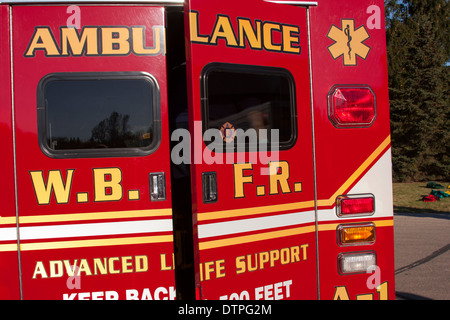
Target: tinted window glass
x,y
248,97
98,113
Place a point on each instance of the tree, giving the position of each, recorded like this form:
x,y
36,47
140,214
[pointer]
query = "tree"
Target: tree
x,y
112,132
418,88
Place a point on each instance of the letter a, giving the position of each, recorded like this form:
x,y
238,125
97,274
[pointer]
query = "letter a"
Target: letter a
x,y
42,40
74,282
74,20
374,21
341,293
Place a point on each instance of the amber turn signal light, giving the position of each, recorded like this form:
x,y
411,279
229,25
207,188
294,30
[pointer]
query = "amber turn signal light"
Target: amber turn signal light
x,y
356,234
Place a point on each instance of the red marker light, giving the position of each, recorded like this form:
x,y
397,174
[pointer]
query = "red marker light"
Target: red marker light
x,y
355,205
351,106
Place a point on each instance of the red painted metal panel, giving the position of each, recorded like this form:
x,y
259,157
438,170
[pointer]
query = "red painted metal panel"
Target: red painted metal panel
x,y
121,248
261,246
349,48
258,240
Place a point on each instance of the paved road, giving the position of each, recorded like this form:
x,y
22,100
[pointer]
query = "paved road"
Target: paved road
x,y
422,256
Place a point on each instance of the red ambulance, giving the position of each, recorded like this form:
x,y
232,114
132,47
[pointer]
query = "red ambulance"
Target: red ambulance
x,y
195,149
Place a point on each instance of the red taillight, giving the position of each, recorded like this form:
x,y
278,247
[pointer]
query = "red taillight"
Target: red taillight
x,y
355,205
352,106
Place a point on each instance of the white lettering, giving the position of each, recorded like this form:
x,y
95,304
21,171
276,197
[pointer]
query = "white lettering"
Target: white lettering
x,y
159,293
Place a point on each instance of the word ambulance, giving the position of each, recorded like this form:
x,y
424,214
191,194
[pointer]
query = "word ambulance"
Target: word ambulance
x,y
114,41
99,99
259,36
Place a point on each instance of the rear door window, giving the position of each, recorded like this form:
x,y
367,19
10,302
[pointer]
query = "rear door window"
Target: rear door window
x,y
98,115
249,97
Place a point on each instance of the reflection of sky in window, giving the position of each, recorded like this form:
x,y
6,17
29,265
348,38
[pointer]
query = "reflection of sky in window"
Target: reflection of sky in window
x,y
75,107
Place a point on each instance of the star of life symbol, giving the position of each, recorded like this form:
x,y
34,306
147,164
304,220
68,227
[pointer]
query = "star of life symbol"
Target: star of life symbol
x,y
348,42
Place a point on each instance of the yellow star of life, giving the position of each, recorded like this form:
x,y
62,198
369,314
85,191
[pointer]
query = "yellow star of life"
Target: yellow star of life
x,y
348,42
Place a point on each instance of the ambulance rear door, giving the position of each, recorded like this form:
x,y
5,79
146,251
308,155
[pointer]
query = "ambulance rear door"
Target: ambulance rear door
x,y
353,145
92,145
248,92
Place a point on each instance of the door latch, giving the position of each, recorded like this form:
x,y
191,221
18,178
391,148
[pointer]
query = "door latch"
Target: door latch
x,y
157,186
209,180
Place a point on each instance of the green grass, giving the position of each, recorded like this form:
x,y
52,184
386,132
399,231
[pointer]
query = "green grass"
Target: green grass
x,y
408,198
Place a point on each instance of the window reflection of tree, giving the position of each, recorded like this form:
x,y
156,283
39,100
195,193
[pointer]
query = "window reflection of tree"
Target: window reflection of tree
x,y
111,132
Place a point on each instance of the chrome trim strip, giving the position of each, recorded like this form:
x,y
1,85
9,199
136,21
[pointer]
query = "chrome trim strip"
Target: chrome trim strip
x,y
13,124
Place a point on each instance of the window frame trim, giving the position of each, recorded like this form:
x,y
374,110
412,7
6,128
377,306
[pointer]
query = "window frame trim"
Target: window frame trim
x,y
42,124
255,70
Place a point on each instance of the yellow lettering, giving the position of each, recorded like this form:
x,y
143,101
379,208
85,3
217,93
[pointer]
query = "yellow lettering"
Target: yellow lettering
x,y
289,39
42,40
217,267
341,293
139,40
240,265
268,29
281,178
39,270
193,26
122,40
285,258
368,296
201,271
246,31
257,34
111,265
240,179
70,269
141,263
86,42
54,183
220,267
127,264
115,40
383,290
295,254
84,267
249,263
100,266
56,269
274,256
209,268
304,247
267,259
263,259
223,29
107,185
164,264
